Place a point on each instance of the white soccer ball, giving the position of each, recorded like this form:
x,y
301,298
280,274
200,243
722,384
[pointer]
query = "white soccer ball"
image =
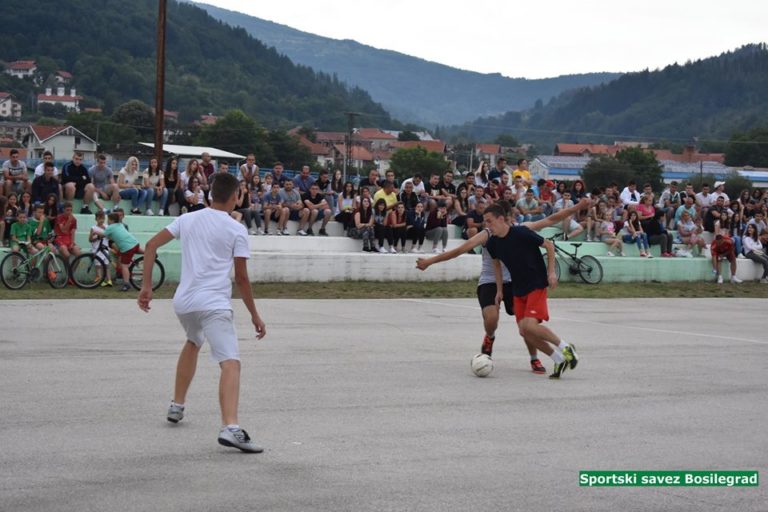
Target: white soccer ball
x,y
482,365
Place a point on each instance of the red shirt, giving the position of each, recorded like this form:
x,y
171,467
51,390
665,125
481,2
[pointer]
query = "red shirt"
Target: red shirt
x,y
65,225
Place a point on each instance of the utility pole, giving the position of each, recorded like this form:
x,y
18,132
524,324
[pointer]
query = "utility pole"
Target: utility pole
x,y
348,145
160,82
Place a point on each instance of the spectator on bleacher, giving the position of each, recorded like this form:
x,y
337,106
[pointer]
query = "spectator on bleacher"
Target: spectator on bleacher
x,y
759,221
65,227
437,227
318,210
669,202
274,209
606,233
518,189
594,214
570,227
390,176
704,200
11,211
716,212
504,185
630,197
559,190
324,184
418,185
248,169
468,184
244,208
416,227
645,211
51,207
173,187
612,190
720,192
492,192
371,182
76,183
506,196
381,230
388,194
481,174
364,224
266,185
529,208
277,174
154,185
303,180
754,250
722,248
223,169
688,192
45,185
206,166
500,169
195,196
192,170
21,234
15,174
546,196
40,169
26,205
291,198
362,193
690,233
41,227
346,202
578,191
456,214
477,197
633,234
408,197
255,194
462,203
255,187
103,180
474,221
100,246
617,212
523,172
432,188
3,206
687,206
736,229
648,191
744,197
657,235
446,186
130,183
337,183
396,221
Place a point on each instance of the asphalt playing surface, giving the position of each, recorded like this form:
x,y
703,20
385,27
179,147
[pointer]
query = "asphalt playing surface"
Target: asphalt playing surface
x,y
370,405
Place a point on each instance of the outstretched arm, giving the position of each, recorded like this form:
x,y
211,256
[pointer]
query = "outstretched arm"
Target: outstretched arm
x,y
478,239
150,254
557,217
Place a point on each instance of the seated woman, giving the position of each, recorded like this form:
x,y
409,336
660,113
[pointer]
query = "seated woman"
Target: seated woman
x,y
416,224
364,224
397,225
754,250
195,195
606,233
690,234
346,202
652,226
380,228
633,233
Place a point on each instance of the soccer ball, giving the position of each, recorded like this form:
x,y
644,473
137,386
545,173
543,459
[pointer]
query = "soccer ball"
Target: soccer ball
x,y
482,365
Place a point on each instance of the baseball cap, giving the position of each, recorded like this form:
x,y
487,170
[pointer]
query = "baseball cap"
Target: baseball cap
x,y
719,183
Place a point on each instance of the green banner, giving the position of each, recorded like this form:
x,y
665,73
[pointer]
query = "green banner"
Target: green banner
x,y
633,478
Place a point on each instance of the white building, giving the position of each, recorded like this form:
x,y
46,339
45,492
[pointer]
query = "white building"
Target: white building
x,y
22,68
71,101
8,107
62,141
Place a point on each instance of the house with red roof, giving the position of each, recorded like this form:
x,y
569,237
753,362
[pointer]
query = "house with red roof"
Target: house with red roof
x,y
21,68
62,141
9,108
435,146
373,138
70,101
488,152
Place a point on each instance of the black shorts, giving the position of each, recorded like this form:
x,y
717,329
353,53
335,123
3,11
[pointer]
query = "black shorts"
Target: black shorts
x,y
486,296
294,215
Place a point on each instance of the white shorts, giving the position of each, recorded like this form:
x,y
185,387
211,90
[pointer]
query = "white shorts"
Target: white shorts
x,y
217,328
574,225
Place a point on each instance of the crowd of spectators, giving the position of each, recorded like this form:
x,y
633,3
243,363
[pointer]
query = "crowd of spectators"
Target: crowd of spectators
x,y
414,215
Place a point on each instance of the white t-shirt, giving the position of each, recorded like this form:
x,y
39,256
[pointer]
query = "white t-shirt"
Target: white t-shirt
x,y
210,240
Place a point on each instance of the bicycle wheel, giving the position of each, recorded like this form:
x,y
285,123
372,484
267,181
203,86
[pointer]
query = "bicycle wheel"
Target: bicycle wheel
x,y
14,271
56,271
137,273
590,270
557,267
88,271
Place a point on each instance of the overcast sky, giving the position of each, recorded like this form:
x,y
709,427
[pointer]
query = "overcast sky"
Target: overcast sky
x,y
533,39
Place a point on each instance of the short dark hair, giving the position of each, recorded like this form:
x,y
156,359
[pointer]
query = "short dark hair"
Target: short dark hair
x,y
114,217
47,153
417,175
224,186
277,163
101,157
646,185
521,161
704,185
505,206
46,165
496,210
632,182
14,151
66,205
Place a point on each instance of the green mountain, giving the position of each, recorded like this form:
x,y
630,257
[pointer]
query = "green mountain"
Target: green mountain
x,y
412,89
109,47
708,98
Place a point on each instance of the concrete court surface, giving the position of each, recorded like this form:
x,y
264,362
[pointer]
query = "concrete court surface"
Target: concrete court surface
x,y
370,406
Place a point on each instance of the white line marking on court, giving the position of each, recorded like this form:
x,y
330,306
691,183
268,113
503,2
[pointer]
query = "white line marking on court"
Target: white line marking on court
x,y
607,324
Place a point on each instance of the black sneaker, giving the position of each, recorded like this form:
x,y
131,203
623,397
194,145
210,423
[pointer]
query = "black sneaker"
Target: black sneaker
x,y
136,211
571,356
310,232
487,347
86,211
322,232
126,287
559,370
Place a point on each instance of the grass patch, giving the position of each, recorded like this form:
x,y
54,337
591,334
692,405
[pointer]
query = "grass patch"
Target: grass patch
x,y
418,289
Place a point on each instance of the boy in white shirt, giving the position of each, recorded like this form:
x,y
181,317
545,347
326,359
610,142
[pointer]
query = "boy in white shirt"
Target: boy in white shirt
x,y
210,241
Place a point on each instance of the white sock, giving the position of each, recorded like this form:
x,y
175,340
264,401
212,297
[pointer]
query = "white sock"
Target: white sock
x,y
562,345
233,428
557,356
177,404
533,358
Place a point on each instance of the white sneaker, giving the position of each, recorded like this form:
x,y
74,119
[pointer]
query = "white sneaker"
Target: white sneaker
x,y
436,250
285,232
149,212
764,280
736,280
252,232
719,279
442,250
161,212
259,231
238,439
623,253
609,253
393,250
301,232
382,250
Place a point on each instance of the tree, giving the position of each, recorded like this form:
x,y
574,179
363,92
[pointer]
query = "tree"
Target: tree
x,y
406,135
289,150
750,148
507,140
56,110
308,132
645,167
138,116
407,162
603,170
238,133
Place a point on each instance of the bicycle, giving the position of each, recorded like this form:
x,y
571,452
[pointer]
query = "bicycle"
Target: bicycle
x,y
89,270
20,268
586,267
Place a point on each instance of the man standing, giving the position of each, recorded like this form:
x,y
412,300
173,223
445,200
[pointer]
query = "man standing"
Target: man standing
x,y
210,242
15,174
77,183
